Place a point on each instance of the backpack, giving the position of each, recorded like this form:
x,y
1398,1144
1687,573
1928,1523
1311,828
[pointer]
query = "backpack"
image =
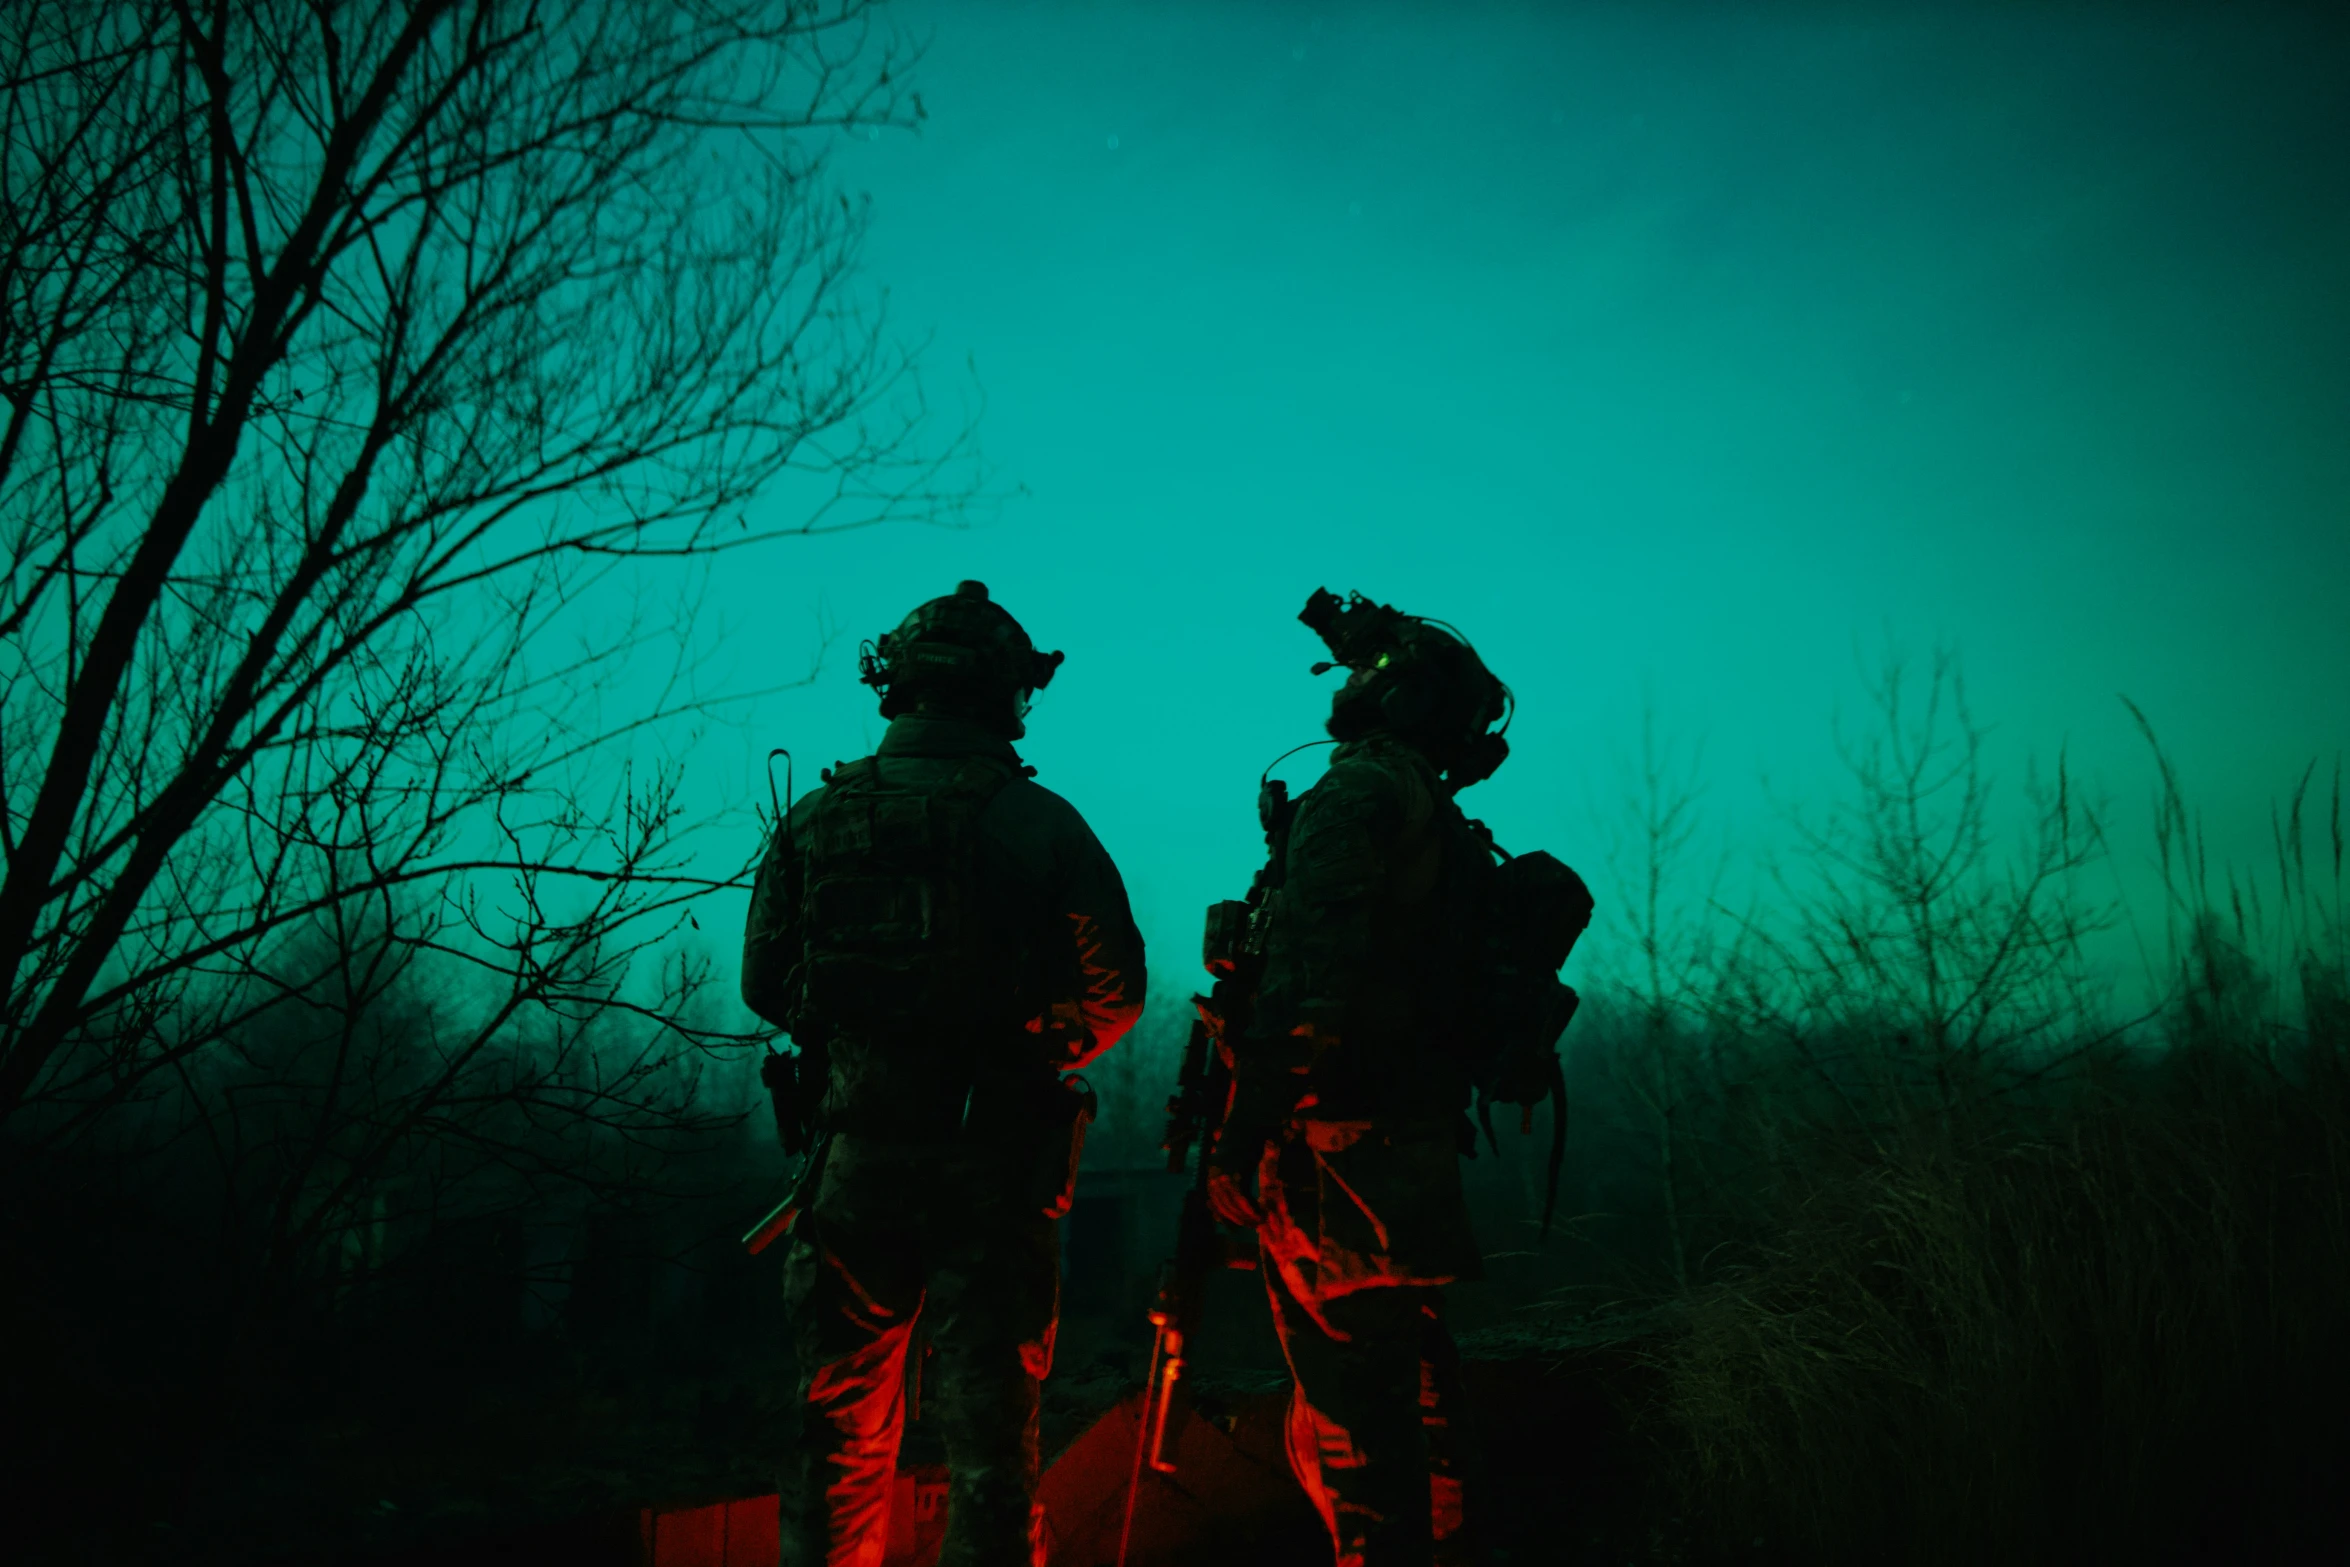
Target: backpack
x,y
894,940
1536,908
1513,925
1517,921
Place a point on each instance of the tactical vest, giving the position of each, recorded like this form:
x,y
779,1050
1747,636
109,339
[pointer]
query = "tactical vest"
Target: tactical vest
x,y
896,941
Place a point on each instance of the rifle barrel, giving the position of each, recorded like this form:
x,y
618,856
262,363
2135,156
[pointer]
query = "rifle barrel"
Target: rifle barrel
x,y
778,1222
1142,1434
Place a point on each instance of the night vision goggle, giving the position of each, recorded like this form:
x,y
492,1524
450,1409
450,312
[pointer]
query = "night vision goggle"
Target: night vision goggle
x,y
1370,637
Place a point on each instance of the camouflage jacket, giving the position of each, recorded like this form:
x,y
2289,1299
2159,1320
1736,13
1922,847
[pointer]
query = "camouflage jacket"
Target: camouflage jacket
x,y
1361,945
1045,879
1351,1063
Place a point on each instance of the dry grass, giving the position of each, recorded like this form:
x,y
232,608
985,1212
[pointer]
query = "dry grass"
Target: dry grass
x,y
2002,1279
2107,1328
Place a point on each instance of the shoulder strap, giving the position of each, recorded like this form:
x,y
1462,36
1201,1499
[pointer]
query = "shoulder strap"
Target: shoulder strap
x,y
862,773
979,780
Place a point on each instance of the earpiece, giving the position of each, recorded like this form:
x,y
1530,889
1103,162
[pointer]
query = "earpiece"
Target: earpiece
x,y
1479,760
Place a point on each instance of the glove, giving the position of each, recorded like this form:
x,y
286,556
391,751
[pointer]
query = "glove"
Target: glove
x,y
1232,1186
1261,1102
1061,1029
794,1106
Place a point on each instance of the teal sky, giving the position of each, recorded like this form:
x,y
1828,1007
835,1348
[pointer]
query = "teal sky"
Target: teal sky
x,y
1676,352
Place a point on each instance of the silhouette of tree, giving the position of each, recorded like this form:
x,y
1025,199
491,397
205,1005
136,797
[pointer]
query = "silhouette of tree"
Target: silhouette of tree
x,y
1909,933
356,358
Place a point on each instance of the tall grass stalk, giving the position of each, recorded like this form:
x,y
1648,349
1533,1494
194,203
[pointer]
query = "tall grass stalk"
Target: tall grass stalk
x,y
2075,1298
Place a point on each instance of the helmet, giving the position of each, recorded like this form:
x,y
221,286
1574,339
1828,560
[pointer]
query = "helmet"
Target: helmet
x,y
1415,677
963,650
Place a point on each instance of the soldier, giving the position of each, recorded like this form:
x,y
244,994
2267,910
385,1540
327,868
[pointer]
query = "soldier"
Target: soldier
x,y
942,938
1351,1081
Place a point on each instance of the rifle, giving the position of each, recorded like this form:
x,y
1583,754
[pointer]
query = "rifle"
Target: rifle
x,y
1233,952
1204,1085
795,1084
785,1214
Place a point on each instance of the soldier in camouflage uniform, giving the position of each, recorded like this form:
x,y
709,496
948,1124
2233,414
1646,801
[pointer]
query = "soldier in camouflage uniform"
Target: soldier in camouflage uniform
x,y
946,1147
1342,1143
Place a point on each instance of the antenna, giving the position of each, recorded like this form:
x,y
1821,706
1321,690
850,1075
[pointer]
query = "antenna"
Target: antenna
x,y
769,1228
1285,756
781,815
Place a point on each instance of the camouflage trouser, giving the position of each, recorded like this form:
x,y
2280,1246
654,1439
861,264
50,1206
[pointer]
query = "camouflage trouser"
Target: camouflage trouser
x,y
897,1232
1363,1223
1372,1433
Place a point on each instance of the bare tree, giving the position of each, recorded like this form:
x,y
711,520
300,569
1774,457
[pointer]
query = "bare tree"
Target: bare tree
x,y
1665,987
1908,928
357,356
